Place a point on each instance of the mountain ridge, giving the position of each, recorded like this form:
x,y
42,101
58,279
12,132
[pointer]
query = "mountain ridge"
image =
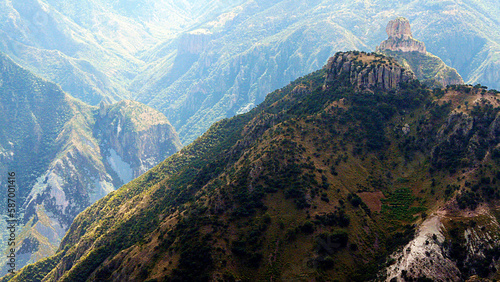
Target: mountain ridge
x,y
317,178
67,154
136,52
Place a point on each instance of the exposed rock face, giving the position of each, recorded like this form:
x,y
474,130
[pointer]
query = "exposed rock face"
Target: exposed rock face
x,y
140,136
194,42
117,143
428,254
400,38
384,73
68,155
425,256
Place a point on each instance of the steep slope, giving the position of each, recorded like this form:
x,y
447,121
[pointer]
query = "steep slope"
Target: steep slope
x,y
323,180
67,154
412,54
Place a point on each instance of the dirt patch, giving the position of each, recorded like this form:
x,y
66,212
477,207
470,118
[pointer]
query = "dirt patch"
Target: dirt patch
x,y
337,104
372,200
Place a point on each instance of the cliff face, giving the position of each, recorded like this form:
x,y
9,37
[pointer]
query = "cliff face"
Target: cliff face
x,y
194,42
68,155
401,38
367,71
138,135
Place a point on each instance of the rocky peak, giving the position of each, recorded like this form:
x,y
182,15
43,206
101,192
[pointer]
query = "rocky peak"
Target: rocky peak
x,y
399,28
367,70
400,38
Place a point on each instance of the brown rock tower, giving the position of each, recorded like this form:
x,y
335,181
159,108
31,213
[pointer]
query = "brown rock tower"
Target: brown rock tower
x,y
400,38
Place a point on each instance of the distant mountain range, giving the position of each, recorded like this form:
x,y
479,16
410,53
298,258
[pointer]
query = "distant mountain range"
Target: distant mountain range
x,y
354,172
135,65
200,61
67,154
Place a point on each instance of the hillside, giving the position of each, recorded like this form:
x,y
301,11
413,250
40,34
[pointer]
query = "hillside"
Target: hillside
x,y
327,179
67,154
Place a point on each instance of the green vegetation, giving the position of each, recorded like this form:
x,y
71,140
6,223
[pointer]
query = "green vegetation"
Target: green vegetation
x,y
399,205
429,69
278,190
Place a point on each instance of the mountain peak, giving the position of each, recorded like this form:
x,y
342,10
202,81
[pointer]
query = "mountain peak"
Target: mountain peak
x,y
401,38
412,55
367,70
399,28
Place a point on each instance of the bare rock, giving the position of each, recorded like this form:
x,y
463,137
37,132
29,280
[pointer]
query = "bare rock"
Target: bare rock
x,y
401,38
366,71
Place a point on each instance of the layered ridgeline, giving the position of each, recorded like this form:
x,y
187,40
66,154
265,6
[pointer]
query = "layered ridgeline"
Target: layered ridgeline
x,y
93,48
67,154
329,178
413,55
200,61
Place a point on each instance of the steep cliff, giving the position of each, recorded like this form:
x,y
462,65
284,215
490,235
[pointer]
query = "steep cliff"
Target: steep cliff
x,y
67,154
139,135
367,71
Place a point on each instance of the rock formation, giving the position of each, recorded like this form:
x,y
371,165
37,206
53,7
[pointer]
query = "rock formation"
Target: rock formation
x,y
140,136
412,54
383,72
400,38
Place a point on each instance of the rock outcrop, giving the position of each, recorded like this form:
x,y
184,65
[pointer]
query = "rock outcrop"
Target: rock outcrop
x,y
424,256
401,38
367,70
139,135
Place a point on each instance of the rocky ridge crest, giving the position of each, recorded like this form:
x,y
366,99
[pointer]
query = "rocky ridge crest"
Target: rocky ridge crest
x,y
367,70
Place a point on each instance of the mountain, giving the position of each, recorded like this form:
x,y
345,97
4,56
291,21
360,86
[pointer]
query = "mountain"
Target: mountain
x,y
354,172
201,61
412,54
67,154
92,48
259,46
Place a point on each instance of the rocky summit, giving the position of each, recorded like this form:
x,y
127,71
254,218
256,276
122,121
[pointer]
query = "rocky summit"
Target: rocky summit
x,y
367,71
401,38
